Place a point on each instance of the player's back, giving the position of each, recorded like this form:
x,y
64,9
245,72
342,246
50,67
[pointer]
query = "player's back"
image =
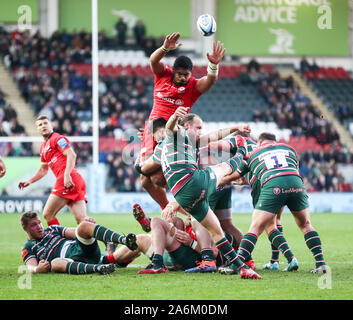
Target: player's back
x,y
177,159
272,160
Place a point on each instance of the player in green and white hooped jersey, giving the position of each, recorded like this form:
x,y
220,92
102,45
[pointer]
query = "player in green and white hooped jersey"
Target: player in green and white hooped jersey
x,y
228,145
191,186
67,250
229,148
194,122
275,165
220,200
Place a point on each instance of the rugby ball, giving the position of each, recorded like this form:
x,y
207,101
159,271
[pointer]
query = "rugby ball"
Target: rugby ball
x,y
206,24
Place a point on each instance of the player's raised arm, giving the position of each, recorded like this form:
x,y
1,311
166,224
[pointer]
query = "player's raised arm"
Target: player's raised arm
x,y
171,125
206,82
222,133
170,43
41,172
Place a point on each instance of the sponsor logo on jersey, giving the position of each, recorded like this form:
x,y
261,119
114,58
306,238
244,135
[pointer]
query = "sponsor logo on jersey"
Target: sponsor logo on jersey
x,y
62,143
178,102
53,160
285,191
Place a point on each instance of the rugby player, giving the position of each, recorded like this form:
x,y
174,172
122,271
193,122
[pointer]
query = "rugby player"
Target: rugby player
x,y
68,250
228,145
275,166
191,186
175,249
174,87
57,154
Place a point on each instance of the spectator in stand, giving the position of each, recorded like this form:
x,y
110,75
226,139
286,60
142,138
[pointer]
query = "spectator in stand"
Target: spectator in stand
x,y
253,66
314,67
139,33
304,65
121,29
322,137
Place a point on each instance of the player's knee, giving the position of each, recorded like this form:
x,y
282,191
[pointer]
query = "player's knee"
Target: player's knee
x,y
178,223
48,216
84,229
143,239
58,265
156,221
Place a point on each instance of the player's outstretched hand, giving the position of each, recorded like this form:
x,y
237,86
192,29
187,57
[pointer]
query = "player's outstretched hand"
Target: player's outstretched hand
x,y
23,184
217,53
183,237
243,129
68,183
181,112
168,212
43,266
171,41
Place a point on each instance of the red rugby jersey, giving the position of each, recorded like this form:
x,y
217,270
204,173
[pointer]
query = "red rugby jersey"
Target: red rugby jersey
x,y
168,97
51,152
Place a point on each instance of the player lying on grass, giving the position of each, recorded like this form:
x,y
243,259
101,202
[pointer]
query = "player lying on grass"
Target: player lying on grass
x,y
191,186
275,166
67,250
228,146
176,249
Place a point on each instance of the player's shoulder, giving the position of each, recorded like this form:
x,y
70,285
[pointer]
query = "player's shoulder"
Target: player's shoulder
x,y
28,244
165,73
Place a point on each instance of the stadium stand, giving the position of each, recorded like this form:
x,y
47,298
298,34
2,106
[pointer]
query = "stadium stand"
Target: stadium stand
x,y
53,76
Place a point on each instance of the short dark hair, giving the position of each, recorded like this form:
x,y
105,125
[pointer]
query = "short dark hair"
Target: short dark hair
x,y
183,62
28,215
157,124
267,136
187,118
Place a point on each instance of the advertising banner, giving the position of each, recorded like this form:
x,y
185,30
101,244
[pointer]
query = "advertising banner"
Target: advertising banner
x,y
284,27
160,17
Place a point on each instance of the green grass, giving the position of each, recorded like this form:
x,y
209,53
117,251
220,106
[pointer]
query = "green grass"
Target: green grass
x,y
336,232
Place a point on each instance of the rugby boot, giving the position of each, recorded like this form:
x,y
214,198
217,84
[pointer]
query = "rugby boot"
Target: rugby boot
x,y
203,266
152,269
141,218
106,268
271,266
292,266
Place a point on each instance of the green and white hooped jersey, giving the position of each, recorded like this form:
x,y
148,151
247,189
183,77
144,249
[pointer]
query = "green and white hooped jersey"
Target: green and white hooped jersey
x,y
176,155
252,145
269,161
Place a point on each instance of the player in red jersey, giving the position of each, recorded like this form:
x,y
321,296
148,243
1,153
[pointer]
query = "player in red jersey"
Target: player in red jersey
x,y
70,188
174,87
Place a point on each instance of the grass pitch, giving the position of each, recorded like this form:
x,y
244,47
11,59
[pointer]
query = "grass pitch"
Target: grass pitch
x,y
336,233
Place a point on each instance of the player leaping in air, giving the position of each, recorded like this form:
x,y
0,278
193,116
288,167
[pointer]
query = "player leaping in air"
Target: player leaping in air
x,y
174,87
